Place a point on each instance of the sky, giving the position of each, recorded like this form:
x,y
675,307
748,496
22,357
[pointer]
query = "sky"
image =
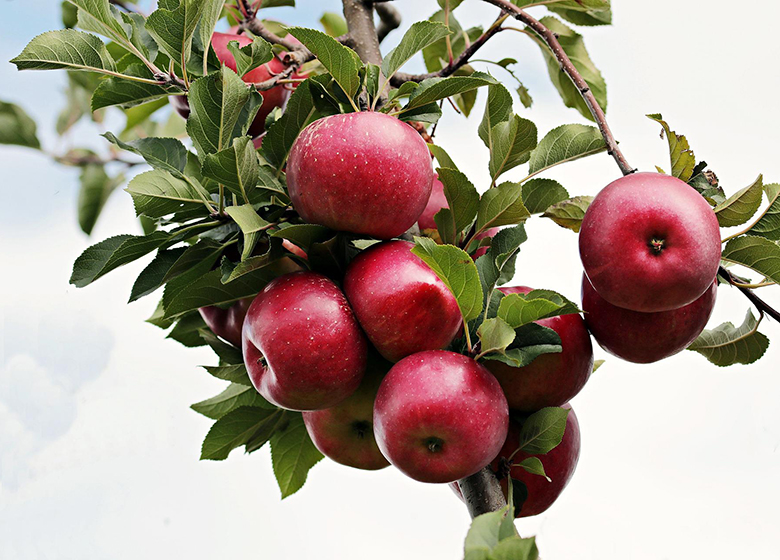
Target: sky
x,y
99,450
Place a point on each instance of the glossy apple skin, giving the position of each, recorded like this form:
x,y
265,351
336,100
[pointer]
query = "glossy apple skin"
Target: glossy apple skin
x,y
559,464
644,338
227,323
366,173
436,202
399,301
345,432
440,416
272,98
551,379
617,235
314,350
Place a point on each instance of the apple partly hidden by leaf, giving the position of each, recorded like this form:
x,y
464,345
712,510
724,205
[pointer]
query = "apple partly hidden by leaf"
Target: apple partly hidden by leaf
x,y
303,348
644,338
551,379
650,242
366,173
227,323
440,416
399,301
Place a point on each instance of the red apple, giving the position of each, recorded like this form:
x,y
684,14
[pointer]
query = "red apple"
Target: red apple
x,y
551,379
650,242
440,416
303,348
644,338
436,202
366,173
272,98
227,323
400,302
345,432
559,465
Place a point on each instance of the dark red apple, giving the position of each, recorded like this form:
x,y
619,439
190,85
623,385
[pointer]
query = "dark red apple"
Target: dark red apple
x,y
366,173
644,338
559,465
400,302
440,416
227,323
272,98
345,432
302,346
551,379
650,242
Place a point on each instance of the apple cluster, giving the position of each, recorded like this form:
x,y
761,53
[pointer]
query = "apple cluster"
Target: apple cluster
x,y
365,359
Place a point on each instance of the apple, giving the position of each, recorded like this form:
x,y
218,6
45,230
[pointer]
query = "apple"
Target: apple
x,y
272,98
440,416
226,323
650,242
559,465
366,173
551,379
399,301
644,338
345,432
302,346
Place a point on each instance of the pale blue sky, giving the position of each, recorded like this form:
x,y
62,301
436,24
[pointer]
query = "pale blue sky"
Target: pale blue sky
x,y
98,449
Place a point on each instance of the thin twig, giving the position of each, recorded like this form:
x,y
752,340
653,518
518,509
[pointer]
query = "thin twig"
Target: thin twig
x,y
760,304
389,20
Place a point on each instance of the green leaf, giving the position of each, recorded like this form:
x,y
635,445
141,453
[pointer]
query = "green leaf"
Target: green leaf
x,y
449,4
727,345
303,235
434,89
251,56
502,206
251,225
442,157
519,309
569,213
574,46
187,331
463,202
154,275
235,396
69,15
515,548
502,249
103,257
95,189
235,429
341,62
236,167
222,108
229,355
543,430
495,335
531,341
212,10
281,135
66,49
741,206
126,93
511,145
334,24
486,532
235,373
583,18
456,269
167,154
597,364
540,194
139,116
497,110
768,225
756,253
16,127
158,193
96,16
135,26
682,157
436,55
534,466
174,29
564,144
420,35
293,455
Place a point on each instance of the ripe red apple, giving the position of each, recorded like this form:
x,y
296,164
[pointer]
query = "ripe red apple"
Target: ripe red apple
x,y
650,242
400,302
272,98
551,379
559,465
227,323
345,432
440,416
436,202
644,338
302,346
366,173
